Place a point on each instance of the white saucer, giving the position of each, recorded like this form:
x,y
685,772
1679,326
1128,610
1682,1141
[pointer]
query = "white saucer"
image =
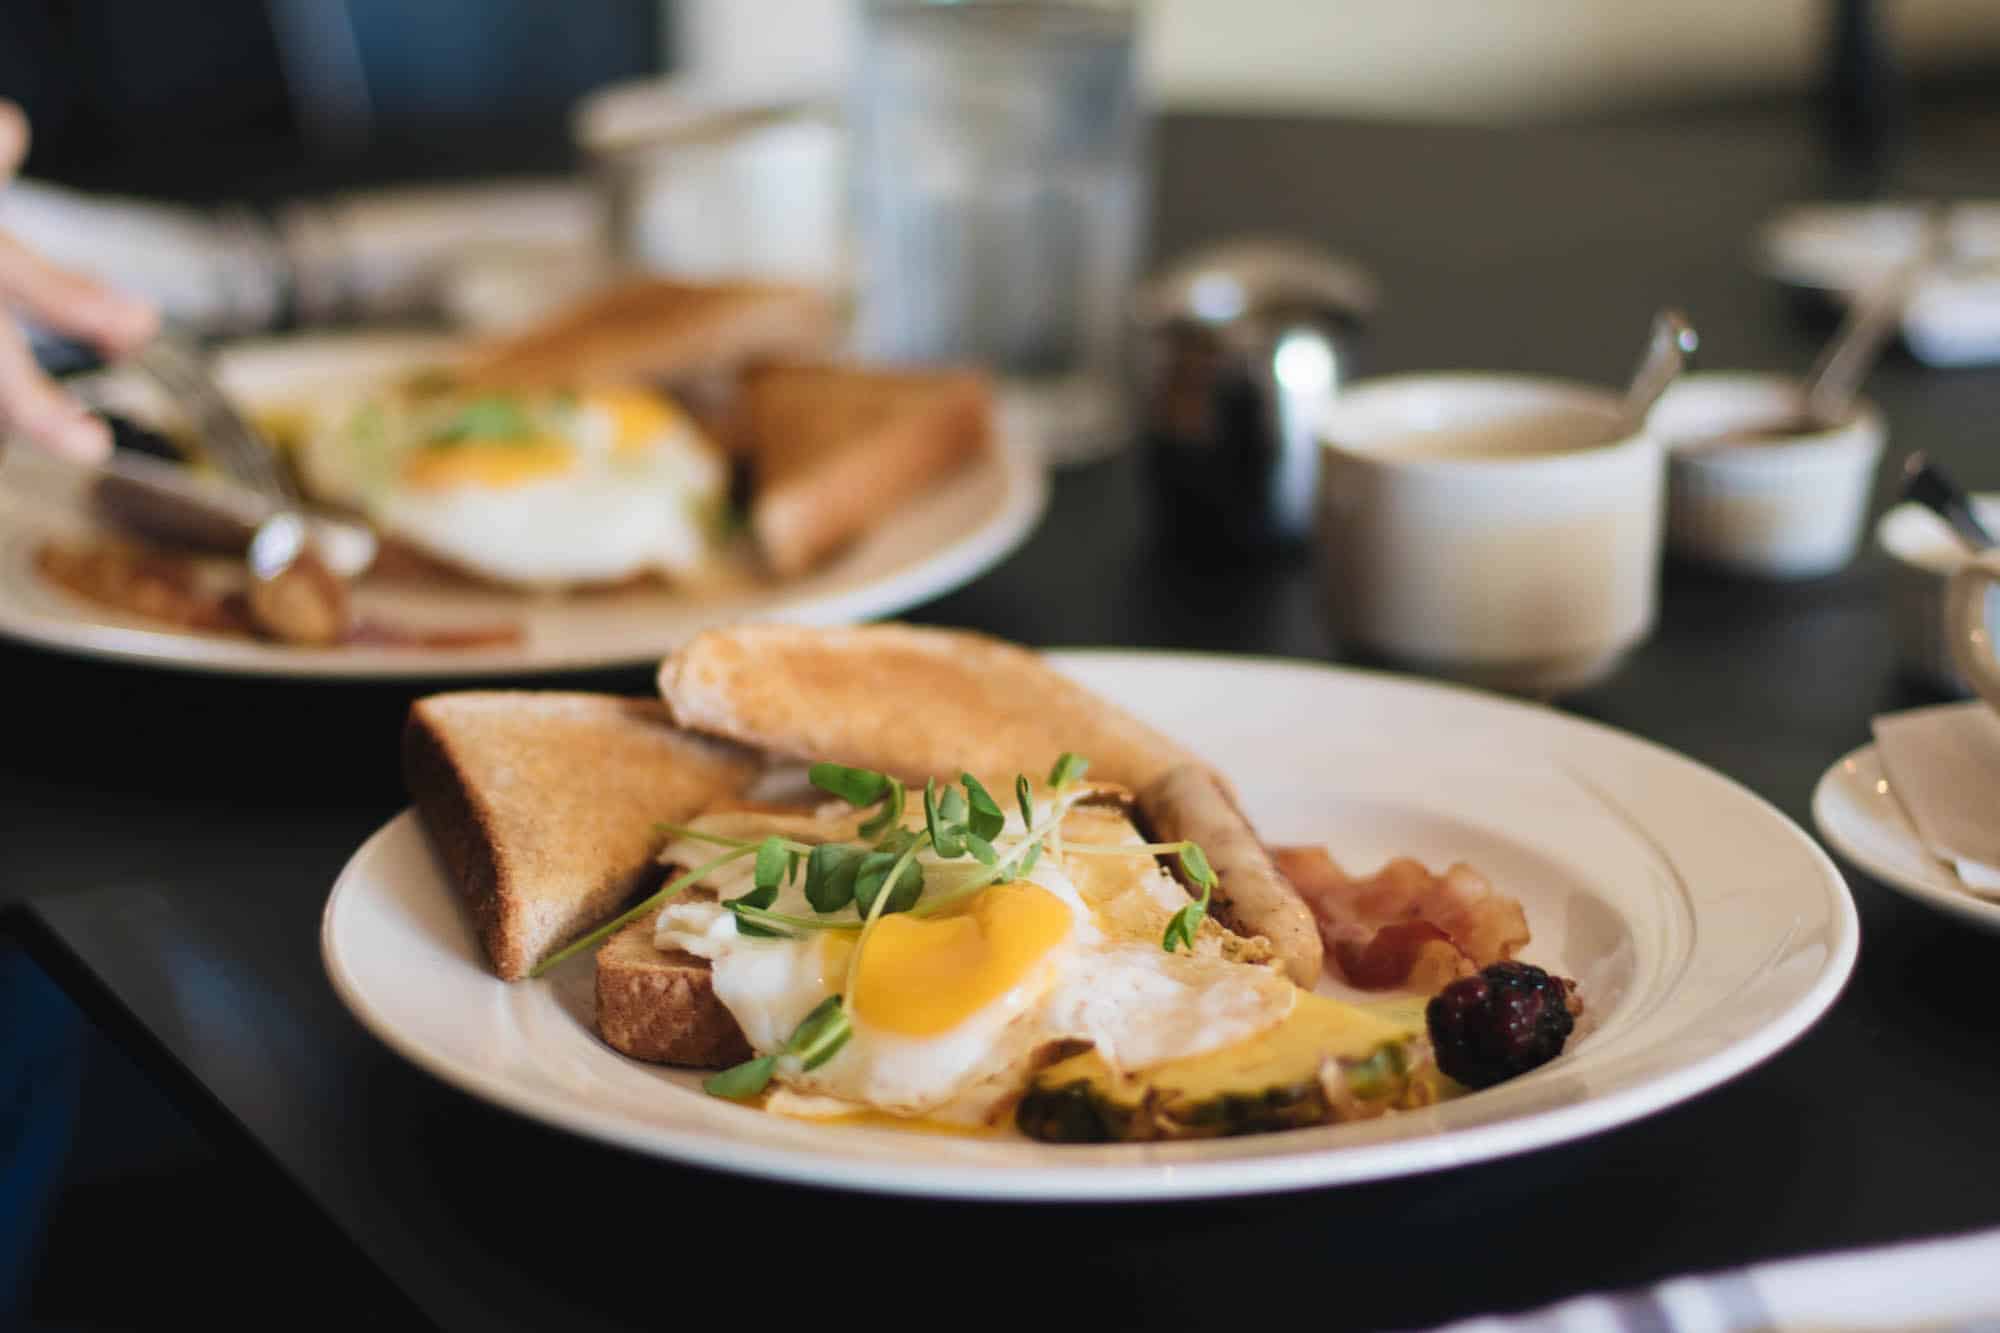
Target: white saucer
x,y
1857,813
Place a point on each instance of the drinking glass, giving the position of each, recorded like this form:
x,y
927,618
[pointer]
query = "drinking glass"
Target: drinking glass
x,y
999,189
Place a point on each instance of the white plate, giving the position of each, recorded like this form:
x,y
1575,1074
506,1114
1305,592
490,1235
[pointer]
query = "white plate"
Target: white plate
x,y
1705,929
922,551
1856,812
1844,248
1953,314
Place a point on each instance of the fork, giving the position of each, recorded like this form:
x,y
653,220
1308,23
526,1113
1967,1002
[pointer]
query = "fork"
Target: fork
x,y
182,369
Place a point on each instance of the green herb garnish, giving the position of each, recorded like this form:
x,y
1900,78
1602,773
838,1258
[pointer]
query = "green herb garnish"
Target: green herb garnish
x,y
881,874
984,817
817,1039
1181,929
946,835
897,871
623,919
775,864
856,786
489,418
830,872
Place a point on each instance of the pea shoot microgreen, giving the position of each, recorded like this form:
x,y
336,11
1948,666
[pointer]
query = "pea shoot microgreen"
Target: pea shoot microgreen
x,y
487,419
965,833
984,818
776,864
817,1039
1186,922
652,903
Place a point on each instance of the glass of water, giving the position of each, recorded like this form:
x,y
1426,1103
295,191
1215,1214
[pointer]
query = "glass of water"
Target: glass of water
x,y
999,182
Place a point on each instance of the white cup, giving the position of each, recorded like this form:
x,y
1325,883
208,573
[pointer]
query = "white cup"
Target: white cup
x,y
1502,530
1788,510
1971,622
1924,554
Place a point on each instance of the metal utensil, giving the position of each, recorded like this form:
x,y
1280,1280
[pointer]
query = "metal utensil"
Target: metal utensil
x,y
1929,485
1835,378
295,594
172,504
1241,347
1827,394
1672,341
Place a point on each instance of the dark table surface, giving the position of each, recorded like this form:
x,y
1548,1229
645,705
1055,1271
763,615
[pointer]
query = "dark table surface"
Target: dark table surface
x,y
173,838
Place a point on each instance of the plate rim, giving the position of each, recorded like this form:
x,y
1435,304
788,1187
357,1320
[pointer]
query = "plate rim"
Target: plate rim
x,y
1272,1174
1005,529
1965,906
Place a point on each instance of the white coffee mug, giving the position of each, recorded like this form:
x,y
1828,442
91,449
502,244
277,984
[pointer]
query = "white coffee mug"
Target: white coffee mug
x,y
1502,530
1971,623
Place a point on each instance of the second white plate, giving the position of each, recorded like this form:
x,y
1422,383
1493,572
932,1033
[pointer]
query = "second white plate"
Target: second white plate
x,y
925,549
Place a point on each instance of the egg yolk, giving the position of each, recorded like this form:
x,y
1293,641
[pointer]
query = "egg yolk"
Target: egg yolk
x,y
638,419
924,976
488,463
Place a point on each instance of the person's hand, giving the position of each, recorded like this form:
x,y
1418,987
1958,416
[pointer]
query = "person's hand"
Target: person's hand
x,y
68,302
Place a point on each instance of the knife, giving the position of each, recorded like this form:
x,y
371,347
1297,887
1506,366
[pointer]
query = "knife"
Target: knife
x,y
173,504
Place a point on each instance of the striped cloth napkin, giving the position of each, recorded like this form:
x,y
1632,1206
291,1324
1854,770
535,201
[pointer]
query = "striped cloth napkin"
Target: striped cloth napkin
x,y
1949,1285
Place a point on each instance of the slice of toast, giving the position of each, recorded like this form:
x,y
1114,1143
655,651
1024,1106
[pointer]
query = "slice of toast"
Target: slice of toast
x,y
657,329
832,448
660,1005
912,701
542,805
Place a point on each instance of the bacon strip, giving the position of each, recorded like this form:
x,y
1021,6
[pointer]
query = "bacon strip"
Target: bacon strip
x,y
1404,926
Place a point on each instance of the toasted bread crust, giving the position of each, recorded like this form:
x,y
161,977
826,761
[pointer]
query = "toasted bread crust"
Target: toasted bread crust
x,y
542,805
661,1006
834,447
912,701
460,833
657,329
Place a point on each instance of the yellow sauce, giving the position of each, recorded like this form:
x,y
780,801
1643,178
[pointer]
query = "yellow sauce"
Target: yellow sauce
x,y
912,1125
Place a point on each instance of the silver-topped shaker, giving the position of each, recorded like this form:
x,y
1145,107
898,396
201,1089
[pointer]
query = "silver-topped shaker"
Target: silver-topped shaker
x,y
1240,348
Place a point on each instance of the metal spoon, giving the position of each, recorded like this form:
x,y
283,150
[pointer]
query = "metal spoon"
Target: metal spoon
x,y
1927,484
1835,379
1672,341
1827,394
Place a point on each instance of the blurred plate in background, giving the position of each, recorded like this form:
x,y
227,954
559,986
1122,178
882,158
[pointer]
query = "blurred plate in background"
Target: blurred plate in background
x,y
926,548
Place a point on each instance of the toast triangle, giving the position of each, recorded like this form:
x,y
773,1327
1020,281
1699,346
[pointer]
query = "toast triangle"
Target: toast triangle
x,y
542,805
834,447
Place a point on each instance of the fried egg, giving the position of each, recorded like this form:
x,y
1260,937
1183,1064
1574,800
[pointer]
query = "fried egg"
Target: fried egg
x,y
531,489
951,1012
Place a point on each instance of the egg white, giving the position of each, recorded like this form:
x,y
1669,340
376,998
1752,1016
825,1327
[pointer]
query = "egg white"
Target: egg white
x,y
1107,981
614,515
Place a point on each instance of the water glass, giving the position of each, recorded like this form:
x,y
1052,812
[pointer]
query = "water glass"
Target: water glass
x,y
999,190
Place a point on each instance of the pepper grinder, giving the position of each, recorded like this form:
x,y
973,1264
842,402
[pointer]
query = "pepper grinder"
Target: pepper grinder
x,y
1240,349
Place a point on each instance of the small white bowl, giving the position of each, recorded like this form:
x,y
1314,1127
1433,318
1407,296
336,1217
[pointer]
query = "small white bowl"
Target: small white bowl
x,y
1923,554
1790,510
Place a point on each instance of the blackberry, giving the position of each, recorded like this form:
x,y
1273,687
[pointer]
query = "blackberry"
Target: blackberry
x,y
1510,1018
